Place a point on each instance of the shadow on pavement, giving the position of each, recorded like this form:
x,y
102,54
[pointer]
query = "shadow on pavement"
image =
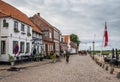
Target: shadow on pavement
x,y
118,75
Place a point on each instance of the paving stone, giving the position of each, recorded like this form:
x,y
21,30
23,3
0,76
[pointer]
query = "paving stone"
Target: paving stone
x,y
79,69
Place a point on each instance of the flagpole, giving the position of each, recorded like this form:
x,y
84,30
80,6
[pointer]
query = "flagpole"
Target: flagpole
x,y
102,44
105,37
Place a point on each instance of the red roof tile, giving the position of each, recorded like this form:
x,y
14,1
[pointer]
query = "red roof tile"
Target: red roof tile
x,y
11,11
40,22
8,10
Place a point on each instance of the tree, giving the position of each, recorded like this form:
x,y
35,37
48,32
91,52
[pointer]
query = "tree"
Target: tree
x,y
74,38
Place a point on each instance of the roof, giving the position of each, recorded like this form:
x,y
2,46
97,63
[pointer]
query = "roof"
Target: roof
x,y
7,10
2,14
57,30
11,11
40,22
36,29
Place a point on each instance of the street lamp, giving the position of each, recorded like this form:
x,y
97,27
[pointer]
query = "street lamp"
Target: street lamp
x,y
93,47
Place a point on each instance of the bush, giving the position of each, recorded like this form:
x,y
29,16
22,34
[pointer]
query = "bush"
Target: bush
x,y
11,58
52,56
105,53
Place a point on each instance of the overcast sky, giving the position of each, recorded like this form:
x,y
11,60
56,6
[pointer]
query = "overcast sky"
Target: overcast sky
x,y
85,18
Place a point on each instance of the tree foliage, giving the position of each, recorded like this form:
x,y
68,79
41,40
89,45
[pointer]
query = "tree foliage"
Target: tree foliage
x,y
74,38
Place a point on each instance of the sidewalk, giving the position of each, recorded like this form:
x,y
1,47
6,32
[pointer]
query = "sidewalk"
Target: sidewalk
x,y
101,60
79,69
26,65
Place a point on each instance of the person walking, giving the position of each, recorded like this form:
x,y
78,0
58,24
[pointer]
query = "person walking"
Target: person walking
x,y
67,56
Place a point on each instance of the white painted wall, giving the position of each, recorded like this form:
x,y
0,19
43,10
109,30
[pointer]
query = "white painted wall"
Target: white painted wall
x,y
12,36
38,43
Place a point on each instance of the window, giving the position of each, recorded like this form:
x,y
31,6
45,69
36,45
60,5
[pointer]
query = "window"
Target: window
x,y
28,29
27,47
5,24
62,39
16,24
3,47
23,27
50,35
14,43
22,47
46,33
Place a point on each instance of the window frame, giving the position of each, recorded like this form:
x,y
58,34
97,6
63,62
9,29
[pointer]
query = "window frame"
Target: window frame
x,y
22,47
3,48
16,24
5,24
28,29
14,45
22,27
27,47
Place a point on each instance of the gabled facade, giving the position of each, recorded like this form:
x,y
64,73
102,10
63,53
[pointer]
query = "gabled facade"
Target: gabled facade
x,y
37,41
47,30
15,32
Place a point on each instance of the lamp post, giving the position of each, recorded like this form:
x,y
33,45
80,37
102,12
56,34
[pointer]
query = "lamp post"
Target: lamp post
x,y
90,50
93,48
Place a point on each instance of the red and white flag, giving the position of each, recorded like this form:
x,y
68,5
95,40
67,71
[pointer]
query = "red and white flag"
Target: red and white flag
x,y
105,36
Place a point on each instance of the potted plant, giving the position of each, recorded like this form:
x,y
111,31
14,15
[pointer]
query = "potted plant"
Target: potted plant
x,y
28,34
16,30
11,60
41,56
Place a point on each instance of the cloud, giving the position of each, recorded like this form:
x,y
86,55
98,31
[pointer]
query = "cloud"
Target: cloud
x,y
85,18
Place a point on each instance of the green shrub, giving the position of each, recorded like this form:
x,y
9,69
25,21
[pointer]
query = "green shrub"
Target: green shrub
x,y
11,58
105,53
119,52
52,56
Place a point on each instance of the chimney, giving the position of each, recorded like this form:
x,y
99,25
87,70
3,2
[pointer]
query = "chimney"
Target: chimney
x,y
38,14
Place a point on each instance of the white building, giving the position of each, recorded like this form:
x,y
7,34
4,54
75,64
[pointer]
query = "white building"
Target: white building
x,y
71,47
15,32
37,41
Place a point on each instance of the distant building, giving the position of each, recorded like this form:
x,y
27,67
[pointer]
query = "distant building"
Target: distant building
x,y
74,47
15,32
65,43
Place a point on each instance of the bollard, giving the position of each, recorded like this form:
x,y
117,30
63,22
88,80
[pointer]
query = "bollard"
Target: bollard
x,y
100,64
103,65
111,70
118,75
106,68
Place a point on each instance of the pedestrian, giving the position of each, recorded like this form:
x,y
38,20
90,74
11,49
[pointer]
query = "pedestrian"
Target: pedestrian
x,y
67,56
34,51
52,56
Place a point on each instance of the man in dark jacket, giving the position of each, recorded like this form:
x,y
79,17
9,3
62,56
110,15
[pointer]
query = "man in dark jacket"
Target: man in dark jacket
x,y
67,56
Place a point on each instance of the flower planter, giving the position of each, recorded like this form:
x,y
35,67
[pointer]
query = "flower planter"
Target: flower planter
x,y
12,63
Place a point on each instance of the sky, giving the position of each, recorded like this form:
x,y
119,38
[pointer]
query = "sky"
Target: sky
x,y
85,18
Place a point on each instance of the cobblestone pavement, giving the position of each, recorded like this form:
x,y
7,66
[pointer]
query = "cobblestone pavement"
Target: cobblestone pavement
x,y
79,69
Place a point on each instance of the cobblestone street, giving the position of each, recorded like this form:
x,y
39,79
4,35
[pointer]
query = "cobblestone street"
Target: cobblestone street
x,y
79,69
